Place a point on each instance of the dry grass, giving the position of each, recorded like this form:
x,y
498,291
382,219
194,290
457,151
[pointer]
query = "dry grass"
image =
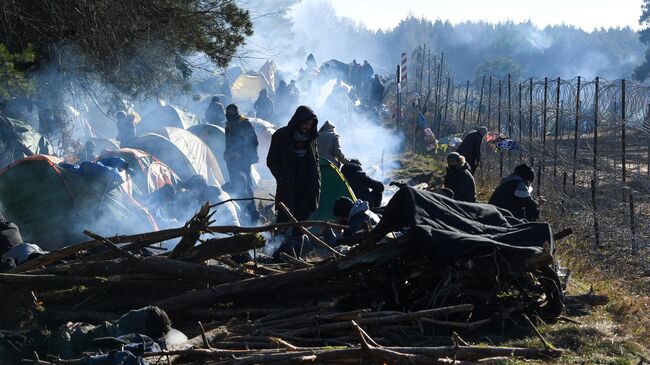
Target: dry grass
x,y
618,333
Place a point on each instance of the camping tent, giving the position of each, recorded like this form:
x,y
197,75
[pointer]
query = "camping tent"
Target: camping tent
x,y
19,139
184,152
215,137
149,173
105,144
248,86
52,205
333,186
166,115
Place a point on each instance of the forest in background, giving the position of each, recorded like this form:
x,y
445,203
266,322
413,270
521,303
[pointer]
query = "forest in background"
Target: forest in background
x,y
471,49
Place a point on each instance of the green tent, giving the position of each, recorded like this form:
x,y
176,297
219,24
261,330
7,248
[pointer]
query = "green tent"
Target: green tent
x,y
52,206
333,186
19,139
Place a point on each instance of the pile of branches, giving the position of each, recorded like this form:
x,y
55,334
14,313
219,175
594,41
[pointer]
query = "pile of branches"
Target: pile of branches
x,y
379,303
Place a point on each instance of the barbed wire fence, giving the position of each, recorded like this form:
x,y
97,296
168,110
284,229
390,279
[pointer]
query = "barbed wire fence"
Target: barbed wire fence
x,y
588,141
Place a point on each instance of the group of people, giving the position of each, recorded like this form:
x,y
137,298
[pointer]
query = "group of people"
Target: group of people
x,y
514,192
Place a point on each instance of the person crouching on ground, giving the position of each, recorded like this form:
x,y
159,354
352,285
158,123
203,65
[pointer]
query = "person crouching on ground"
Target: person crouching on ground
x,y
514,194
459,179
363,186
356,215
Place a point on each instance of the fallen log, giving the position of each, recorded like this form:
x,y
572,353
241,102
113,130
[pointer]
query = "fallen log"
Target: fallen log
x,y
377,321
256,285
589,298
304,230
48,281
144,239
53,316
200,221
216,247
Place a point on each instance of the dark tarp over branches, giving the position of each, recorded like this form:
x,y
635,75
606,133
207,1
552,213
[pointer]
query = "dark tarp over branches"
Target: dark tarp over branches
x,y
445,229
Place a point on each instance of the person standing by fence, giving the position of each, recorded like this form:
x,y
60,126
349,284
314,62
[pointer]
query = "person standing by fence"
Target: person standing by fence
x,y
470,147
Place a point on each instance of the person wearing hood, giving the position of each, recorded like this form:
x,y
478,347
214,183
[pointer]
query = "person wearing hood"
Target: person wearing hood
x,y
364,187
240,154
282,99
215,113
355,215
329,145
87,152
470,147
514,194
264,108
377,91
459,179
293,161
125,128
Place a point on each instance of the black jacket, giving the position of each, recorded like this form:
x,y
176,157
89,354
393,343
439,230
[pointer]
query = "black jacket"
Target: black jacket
x,y
513,195
364,187
470,147
281,160
215,113
264,107
241,141
461,182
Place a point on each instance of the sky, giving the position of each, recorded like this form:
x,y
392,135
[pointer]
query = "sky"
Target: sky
x,y
585,14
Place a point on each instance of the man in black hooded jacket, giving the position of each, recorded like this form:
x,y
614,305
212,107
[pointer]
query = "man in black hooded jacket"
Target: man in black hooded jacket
x,y
364,187
514,194
293,161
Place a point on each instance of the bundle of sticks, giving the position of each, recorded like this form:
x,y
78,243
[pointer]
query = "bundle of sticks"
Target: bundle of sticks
x,y
380,303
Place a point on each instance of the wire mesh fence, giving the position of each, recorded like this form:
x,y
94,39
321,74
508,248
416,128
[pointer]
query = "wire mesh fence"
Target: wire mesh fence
x,y
588,141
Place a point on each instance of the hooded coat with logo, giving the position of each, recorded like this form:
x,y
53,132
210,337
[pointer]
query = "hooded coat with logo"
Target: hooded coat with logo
x,y
294,163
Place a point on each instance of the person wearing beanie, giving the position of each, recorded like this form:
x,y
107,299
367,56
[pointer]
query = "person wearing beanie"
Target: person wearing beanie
x,y
353,214
514,194
470,147
459,179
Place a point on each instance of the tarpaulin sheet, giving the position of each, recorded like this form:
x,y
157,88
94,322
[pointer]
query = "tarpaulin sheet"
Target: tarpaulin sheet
x,y
445,229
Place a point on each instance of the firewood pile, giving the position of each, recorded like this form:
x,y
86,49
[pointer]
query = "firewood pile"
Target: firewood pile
x,y
381,302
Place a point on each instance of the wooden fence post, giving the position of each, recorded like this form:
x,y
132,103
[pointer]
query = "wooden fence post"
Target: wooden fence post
x,y
465,107
480,103
543,156
623,126
530,123
557,125
520,120
499,128
596,116
595,213
575,140
633,223
489,111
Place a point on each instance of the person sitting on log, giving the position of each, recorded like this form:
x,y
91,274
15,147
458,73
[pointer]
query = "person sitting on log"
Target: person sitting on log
x,y
514,194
